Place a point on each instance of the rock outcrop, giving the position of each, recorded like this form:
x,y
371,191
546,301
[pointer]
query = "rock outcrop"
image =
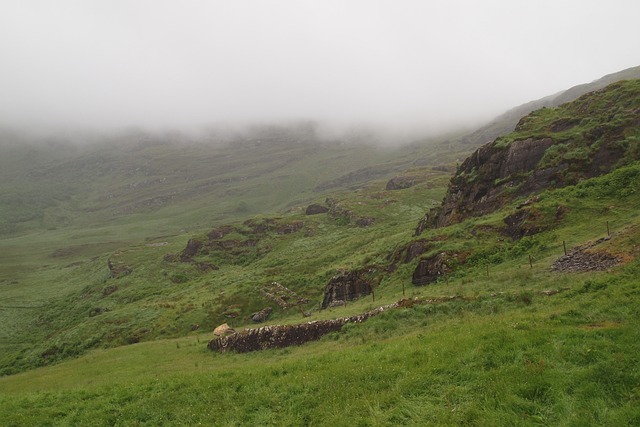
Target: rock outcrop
x,y
262,315
346,286
118,270
548,149
481,182
408,253
400,183
234,244
430,269
315,209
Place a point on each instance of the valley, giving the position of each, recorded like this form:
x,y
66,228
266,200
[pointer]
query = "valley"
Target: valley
x,y
119,259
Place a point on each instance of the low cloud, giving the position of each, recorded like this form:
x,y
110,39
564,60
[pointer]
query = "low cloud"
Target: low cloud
x,y
399,67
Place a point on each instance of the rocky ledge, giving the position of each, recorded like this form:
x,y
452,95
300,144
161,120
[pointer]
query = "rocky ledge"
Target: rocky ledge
x,y
549,148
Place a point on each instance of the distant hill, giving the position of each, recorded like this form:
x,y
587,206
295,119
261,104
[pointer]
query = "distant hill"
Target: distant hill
x,y
506,122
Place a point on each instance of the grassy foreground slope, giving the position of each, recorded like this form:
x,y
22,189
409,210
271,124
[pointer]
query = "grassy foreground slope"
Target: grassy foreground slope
x,y
504,353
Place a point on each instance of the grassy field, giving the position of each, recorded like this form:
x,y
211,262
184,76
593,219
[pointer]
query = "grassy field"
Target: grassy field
x,y
503,354
106,310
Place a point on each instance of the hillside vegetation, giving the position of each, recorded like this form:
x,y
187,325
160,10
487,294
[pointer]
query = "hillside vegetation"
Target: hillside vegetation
x,y
526,315
551,147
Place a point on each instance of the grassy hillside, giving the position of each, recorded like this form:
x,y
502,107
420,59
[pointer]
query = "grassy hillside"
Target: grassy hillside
x,y
165,299
506,123
522,346
69,209
136,250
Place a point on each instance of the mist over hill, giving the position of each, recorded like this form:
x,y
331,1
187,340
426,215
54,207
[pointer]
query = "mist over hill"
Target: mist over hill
x,y
120,253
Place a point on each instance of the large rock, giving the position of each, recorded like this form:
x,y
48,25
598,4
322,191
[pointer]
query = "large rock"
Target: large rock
x,y
400,183
191,250
315,209
262,315
346,286
430,269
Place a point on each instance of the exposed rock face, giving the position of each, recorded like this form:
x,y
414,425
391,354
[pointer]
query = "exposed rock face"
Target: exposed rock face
x,y
345,286
315,209
430,269
400,183
346,216
191,250
262,315
521,223
108,290
234,244
220,232
479,185
549,149
365,221
415,249
408,253
291,227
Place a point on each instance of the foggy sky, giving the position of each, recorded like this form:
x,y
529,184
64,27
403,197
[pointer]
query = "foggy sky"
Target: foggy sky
x,y
425,64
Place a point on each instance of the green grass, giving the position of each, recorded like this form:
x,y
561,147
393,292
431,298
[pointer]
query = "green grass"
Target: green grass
x,y
504,355
80,347
568,359
603,119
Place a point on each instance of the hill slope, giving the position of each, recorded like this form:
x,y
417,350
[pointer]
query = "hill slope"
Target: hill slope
x,y
521,344
551,147
531,315
506,123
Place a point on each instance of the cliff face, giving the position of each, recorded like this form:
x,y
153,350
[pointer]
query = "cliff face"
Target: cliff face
x,y
551,147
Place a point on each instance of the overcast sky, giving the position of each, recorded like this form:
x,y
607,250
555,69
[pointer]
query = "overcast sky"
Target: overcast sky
x,y
397,63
